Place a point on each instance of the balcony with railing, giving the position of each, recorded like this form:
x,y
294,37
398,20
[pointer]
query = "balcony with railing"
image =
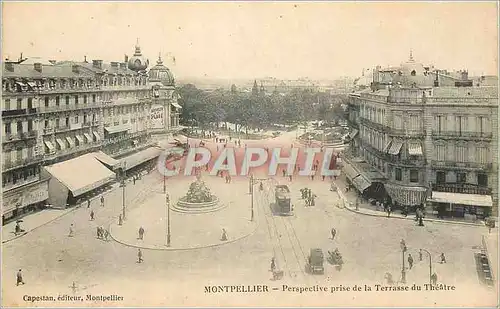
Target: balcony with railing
x,y
14,113
9,165
19,136
465,188
69,107
461,135
371,124
455,164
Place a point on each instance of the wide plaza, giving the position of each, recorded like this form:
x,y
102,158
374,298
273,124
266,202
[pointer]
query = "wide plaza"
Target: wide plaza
x,y
52,261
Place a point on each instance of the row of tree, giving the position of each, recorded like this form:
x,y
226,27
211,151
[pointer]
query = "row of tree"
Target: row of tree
x,y
256,110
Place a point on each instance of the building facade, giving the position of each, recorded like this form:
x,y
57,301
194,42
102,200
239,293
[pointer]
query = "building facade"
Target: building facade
x,y
54,112
424,138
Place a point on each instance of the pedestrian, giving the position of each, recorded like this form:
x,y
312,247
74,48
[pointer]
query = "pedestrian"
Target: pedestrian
x,y
313,202
106,234
420,255
312,176
120,220
139,256
71,231
443,258
102,200
389,210
284,172
19,278
323,177
98,232
273,265
133,177
229,178
88,203
141,233
434,279
92,215
333,232
290,178
410,260
224,235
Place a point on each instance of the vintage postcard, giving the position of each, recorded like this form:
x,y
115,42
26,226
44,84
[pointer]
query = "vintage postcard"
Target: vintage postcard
x,y
264,154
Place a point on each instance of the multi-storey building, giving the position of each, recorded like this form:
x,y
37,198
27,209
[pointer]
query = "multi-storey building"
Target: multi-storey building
x,y
422,137
58,112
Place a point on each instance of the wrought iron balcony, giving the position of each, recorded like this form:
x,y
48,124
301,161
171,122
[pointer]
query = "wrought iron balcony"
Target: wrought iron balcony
x,y
14,112
462,134
465,188
455,164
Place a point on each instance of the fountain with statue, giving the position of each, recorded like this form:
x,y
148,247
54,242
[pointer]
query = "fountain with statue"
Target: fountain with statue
x,y
198,199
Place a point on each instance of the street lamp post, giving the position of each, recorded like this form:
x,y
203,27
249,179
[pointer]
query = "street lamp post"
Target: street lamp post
x,y
403,270
123,188
430,265
167,202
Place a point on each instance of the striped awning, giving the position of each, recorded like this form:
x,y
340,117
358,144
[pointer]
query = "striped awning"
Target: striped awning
x,y
386,148
50,146
395,147
349,171
176,105
80,139
97,136
462,199
61,143
415,149
353,133
71,142
88,137
361,183
407,196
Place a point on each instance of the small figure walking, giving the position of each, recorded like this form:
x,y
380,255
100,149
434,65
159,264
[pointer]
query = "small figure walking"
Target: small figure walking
x,y
443,258
224,235
420,255
410,260
141,233
106,235
88,203
139,256
92,215
120,220
102,201
273,264
333,232
98,232
434,279
290,177
389,210
71,231
19,278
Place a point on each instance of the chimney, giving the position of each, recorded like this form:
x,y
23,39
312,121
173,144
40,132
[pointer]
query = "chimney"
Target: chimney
x,y
38,67
75,68
465,75
436,81
123,65
9,66
97,64
21,57
85,59
126,59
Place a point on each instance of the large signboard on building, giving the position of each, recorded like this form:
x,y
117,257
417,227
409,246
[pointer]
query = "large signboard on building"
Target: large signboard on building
x,y
156,117
32,194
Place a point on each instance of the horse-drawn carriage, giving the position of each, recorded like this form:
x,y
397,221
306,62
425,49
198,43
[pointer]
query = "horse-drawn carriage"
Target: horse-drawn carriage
x,y
335,258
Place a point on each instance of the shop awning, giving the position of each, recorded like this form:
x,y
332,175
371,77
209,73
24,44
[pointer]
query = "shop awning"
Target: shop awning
x,y
81,174
349,171
80,139
395,148
50,146
105,159
71,142
97,136
116,129
61,143
406,195
21,84
353,133
386,148
88,137
415,149
140,157
176,105
361,183
32,85
462,199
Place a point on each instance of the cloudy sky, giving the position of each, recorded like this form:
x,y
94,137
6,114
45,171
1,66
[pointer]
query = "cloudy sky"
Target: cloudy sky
x,y
247,40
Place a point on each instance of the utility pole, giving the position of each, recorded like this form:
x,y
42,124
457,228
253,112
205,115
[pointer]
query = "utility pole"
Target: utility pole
x,y
403,270
167,202
251,197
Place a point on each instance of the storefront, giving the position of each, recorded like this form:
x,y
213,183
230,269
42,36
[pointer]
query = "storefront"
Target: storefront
x,y
73,180
24,199
460,205
140,161
407,195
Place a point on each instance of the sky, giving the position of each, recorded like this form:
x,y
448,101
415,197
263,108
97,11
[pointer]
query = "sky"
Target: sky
x,y
288,40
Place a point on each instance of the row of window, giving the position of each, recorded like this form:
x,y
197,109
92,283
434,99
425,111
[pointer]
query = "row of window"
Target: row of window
x,y
86,119
462,123
19,176
462,153
19,127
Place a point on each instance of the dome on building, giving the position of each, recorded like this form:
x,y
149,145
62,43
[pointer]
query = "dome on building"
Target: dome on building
x,y
413,73
137,62
160,73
